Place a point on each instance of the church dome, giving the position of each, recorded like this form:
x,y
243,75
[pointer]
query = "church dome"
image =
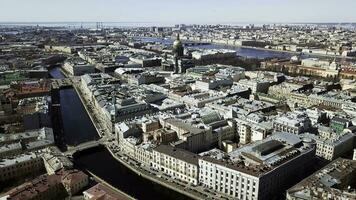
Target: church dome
x,y
177,44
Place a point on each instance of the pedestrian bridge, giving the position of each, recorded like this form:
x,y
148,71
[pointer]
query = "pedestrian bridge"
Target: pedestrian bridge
x,y
84,146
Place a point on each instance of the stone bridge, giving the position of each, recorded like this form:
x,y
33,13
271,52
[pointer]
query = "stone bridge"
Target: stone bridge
x,y
84,146
61,83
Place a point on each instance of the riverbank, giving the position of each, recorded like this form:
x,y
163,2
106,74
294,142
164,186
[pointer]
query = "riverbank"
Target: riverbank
x,y
118,156
85,104
298,53
147,175
267,50
99,180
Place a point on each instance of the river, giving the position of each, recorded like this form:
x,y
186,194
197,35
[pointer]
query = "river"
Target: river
x,y
241,51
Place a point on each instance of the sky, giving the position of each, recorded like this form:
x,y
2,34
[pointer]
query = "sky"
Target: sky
x,y
178,11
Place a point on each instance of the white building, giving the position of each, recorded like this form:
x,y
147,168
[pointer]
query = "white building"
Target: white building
x,y
260,170
292,123
78,68
212,54
252,127
176,163
331,145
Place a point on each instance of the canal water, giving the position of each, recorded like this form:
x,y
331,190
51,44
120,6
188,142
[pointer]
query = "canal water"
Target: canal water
x,y
100,162
78,128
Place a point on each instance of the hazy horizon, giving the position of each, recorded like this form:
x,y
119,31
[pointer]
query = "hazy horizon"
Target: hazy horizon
x,y
183,11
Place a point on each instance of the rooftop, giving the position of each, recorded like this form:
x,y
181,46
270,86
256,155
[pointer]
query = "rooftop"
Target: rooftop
x,y
177,153
330,182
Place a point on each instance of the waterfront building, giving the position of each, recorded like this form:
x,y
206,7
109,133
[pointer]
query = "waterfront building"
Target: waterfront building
x,y
78,67
334,181
257,171
176,163
26,141
144,153
112,100
213,54
35,112
101,191
28,136
54,186
54,160
73,180
32,88
43,187
9,150
20,165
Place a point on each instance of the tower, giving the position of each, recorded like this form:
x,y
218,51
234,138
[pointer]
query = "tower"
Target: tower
x,y
178,51
178,48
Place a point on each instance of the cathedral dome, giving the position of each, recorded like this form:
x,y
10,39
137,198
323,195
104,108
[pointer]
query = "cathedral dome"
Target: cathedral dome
x,y
177,44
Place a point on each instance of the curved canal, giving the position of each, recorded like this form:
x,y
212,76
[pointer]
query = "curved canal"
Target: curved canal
x,y
78,128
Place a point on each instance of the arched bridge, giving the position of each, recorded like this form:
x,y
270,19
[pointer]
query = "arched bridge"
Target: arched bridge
x,y
64,82
84,146
61,83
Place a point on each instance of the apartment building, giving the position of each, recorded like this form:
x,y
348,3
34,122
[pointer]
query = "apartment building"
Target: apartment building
x,y
176,163
260,170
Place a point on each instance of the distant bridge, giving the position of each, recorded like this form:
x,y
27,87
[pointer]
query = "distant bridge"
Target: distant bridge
x,y
61,83
65,82
84,146
195,43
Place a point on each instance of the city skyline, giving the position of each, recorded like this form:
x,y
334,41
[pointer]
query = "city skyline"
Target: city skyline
x,y
162,12
168,99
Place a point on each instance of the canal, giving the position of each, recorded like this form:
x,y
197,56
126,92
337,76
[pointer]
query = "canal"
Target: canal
x,y
100,162
77,128
76,124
